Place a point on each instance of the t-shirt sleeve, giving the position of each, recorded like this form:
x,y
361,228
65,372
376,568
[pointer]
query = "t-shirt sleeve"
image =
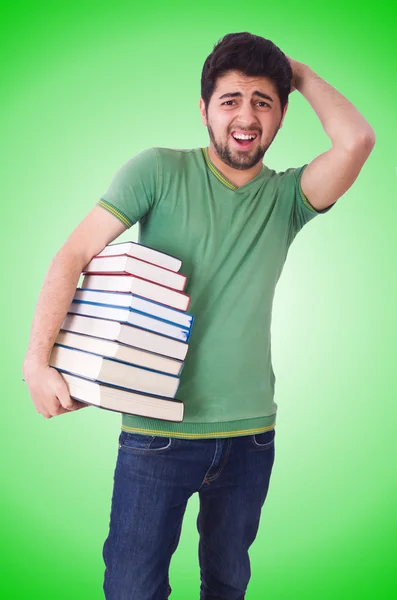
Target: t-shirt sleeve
x,y
132,191
302,211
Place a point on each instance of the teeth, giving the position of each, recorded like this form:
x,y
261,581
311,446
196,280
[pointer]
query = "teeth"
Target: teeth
x,y
242,136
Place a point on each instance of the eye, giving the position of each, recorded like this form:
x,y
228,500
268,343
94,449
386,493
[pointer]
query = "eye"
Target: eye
x,y
228,102
262,104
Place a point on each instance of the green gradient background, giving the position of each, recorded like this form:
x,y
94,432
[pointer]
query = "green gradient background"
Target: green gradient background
x,y
86,86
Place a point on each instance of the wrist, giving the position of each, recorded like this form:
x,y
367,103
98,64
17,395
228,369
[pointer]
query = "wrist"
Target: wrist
x,y
32,364
302,74
300,69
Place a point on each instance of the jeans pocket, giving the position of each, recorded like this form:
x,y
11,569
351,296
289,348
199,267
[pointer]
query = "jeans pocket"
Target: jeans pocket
x,y
143,443
264,440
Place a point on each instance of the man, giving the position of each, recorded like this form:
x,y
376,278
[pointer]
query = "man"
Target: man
x,y
231,220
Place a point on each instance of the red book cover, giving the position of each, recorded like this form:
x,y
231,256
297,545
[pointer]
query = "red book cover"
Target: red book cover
x,y
137,285
125,264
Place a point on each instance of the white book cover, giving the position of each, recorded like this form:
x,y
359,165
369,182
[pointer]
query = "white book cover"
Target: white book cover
x,y
134,266
143,253
128,300
108,371
126,315
138,286
122,352
124,401
125,334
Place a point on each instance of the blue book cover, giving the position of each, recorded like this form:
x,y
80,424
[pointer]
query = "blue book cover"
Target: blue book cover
x,y
169,310
181,333
123,362
65,362
119,387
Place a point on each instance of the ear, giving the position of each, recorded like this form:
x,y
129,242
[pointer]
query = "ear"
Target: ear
x,y
203,112
284,113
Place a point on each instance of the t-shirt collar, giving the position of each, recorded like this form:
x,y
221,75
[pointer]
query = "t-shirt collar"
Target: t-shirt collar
x,y
216,172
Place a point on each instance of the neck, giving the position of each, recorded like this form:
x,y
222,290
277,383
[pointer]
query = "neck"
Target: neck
x,y
235,176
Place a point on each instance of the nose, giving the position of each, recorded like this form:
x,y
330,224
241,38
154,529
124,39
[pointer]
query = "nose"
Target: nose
x,y
246,116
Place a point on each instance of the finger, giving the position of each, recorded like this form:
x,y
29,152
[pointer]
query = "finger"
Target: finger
x,y
63,395
62,392
43,405
54,408
79,404
46,411
46,415
76,405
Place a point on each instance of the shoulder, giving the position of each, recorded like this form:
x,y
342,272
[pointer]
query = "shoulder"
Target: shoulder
x,y
287,182
171,158
292,174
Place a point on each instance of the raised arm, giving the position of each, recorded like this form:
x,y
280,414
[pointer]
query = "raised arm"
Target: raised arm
x,y
332,173
47,388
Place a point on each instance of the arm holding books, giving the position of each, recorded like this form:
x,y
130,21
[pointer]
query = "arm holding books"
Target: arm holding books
x,y
47,388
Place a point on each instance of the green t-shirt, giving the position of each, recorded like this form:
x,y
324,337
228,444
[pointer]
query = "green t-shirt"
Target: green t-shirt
x,y
233,243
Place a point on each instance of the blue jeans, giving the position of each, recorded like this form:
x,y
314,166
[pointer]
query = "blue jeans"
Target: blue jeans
x,y
153,480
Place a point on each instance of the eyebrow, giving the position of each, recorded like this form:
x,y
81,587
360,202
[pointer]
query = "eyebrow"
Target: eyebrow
x,y
239,95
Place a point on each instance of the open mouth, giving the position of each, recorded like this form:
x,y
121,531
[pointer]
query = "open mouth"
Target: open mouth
x,y
244,140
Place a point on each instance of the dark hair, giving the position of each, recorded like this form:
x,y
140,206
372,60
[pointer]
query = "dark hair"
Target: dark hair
x,y
251,55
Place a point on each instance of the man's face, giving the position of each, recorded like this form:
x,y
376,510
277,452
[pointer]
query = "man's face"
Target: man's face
x,y
242,106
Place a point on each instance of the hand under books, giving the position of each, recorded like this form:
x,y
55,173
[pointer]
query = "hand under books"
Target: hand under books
x,y
49,391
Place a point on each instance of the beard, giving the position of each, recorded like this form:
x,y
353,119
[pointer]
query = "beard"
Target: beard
x,y
239,160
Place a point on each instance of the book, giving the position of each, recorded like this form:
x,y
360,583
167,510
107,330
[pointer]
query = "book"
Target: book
x,y
142,252
109,371
126,334
138,286
127,315
133,266
137,303
125,401
121,352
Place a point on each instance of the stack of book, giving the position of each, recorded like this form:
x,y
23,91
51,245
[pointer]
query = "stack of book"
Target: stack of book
x,y
125,337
